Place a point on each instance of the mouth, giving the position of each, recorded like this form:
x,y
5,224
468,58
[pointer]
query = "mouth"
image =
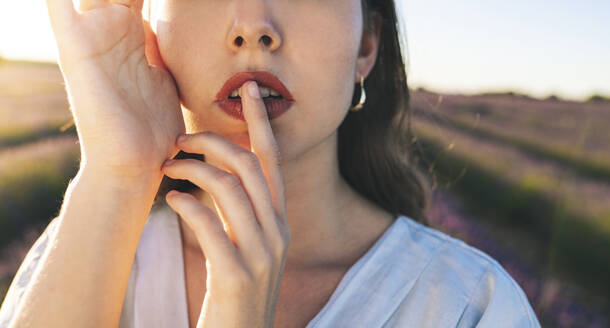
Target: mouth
x,y
275,95
270,86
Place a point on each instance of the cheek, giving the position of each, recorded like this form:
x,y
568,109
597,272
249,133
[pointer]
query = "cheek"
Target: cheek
x,y
331,35
322,49
326,43
190,44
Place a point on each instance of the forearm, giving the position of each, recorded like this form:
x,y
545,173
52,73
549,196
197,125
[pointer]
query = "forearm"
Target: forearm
x,y
82,278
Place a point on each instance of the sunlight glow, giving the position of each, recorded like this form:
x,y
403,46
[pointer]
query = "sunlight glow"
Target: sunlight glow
x,y
536,48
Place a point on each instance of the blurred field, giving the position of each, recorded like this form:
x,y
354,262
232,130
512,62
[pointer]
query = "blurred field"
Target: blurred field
x,y
525,180
37,159
536,172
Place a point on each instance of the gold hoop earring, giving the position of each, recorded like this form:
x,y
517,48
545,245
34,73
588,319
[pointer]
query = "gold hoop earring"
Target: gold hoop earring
x,y
362,96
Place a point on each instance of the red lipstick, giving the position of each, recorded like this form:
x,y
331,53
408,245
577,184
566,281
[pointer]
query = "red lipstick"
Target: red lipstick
x,y
275,107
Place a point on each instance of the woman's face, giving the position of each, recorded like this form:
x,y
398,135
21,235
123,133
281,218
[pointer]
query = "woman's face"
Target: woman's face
x,y
314,51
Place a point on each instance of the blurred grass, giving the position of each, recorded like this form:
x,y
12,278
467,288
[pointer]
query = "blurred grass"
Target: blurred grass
x,y
39,154
31,190
577,246
14,135
580,127
571,158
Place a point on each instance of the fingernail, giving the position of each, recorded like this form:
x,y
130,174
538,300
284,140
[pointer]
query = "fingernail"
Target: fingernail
x,y
253,89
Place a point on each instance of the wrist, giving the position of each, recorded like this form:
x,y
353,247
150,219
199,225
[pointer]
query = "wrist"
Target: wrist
x,y
119,179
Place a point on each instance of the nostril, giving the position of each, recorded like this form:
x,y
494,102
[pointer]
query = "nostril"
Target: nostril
x,y
266,40
239,41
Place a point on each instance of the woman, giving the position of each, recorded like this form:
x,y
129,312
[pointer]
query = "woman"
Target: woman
x,y
303,209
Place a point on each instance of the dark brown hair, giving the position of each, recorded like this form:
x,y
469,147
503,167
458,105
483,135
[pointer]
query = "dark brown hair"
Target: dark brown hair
x,y
374,143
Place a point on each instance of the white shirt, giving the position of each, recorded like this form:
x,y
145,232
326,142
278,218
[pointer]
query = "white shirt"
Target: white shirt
x,y
413,276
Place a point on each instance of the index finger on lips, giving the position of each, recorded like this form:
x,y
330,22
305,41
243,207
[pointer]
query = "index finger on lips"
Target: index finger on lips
x,y
263,144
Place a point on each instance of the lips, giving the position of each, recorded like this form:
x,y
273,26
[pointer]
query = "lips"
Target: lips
x,y
275,107
262,78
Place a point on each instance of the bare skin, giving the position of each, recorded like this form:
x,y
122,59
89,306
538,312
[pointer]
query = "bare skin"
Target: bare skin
x,y
305,287
292,220
296,302
331,225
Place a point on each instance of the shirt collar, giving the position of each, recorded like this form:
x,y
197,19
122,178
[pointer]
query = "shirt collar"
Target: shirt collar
x,y
367,295
373,288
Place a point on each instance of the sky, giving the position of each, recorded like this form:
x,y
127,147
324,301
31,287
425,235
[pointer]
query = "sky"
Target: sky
x,y
535,47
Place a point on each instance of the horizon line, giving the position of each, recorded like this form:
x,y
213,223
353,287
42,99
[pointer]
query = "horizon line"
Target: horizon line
x,y
416,87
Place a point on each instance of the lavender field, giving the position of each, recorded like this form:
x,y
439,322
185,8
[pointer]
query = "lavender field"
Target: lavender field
x,y
527,181
524,180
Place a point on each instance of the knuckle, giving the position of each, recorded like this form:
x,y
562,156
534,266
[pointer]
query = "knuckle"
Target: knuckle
x,y
200,137
248,160
280,246
228,181
276,154
287,237
237,283
206,134
262,267
193,163
204,216
278,252
272,150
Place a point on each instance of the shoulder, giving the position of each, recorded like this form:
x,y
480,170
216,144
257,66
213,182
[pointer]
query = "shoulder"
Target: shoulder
x,y
25,272
466,283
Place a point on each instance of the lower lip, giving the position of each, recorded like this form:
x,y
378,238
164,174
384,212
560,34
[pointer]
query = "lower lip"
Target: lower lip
x,y
275,107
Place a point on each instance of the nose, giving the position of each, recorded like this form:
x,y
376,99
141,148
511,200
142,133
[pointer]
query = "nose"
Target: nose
x,y
252,27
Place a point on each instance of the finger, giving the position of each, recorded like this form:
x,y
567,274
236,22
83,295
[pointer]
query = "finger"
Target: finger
x,y
61,13
229,195
239,161
214,242
84,5
134,4
264,145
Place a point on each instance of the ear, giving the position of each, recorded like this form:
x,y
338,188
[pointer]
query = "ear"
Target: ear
x,y
369,45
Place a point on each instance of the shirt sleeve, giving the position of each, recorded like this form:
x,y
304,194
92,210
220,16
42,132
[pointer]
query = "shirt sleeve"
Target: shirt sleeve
x,y
24,274
498,301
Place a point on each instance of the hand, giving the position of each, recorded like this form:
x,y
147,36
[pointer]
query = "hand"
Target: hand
x,y
244,265
124,102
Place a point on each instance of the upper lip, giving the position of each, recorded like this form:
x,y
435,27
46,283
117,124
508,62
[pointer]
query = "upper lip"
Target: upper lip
x,y
262,78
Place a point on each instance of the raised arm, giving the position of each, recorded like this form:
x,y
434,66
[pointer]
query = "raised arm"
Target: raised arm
x,y
127,114
81,278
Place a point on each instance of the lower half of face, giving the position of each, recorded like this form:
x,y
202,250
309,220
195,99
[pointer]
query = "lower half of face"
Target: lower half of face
x,y
315,54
